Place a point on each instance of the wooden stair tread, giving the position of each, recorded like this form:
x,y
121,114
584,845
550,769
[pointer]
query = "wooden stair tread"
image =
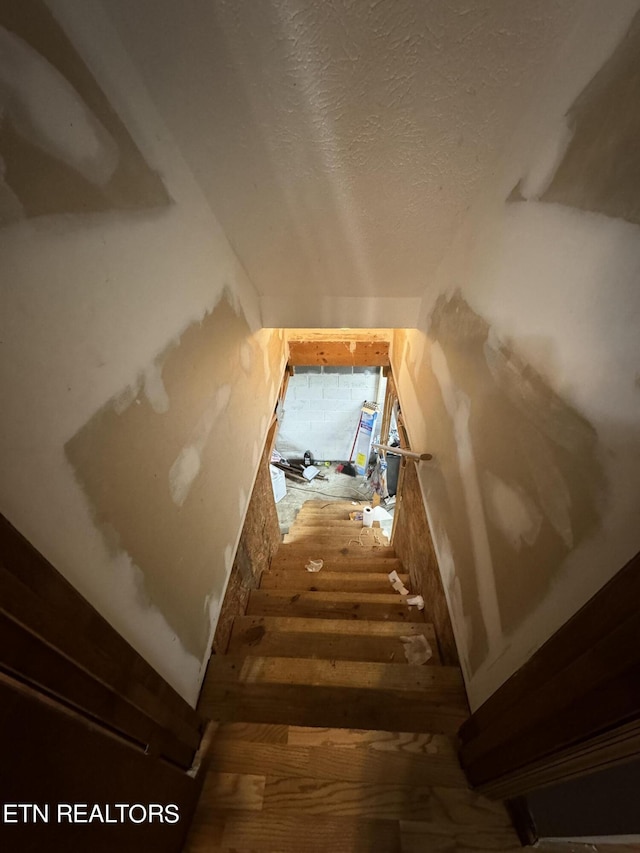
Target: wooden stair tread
x,y
301,579
323,551
249,832
333,605
421,743
362,535
323,504
337,562
256,733
369,799
332,639
314,524
334,542
367,739
336,763
328,647
330,511
301,625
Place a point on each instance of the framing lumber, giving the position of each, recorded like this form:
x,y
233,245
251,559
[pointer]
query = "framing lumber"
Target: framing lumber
x,y
339,353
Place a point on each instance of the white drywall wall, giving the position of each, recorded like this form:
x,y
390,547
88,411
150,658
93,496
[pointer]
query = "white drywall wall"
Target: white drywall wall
x,y
87,302
559,286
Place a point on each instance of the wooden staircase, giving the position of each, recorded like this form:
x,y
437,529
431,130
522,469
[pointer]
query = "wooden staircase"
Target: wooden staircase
x,y
324,648
329,739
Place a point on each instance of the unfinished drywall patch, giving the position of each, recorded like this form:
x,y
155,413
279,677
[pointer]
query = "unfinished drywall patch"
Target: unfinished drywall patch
x,y
559,286
518,480
154,389
524,433
458,406
443,490
188,462
64,149
511,511
158,481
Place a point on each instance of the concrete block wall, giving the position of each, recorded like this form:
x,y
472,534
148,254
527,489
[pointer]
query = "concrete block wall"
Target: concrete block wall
x,y
322,410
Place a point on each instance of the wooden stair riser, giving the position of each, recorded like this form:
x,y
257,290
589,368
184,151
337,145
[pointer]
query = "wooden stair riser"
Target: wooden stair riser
x,y
336,707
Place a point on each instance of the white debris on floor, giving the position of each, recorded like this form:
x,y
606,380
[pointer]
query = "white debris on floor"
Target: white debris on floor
x,y
417,649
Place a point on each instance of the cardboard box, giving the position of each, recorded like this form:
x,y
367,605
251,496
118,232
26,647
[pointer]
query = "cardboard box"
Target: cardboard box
x,y
278,483
364,438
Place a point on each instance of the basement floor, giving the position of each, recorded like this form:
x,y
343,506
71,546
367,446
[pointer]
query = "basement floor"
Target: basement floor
x,y
335,487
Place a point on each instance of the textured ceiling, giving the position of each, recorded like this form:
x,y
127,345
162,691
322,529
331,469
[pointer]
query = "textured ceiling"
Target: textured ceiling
x,y
340,143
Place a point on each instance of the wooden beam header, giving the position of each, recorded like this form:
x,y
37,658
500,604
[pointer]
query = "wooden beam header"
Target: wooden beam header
x,y
339,353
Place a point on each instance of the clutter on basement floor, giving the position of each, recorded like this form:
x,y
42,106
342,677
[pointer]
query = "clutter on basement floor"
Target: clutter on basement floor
x,y
328,484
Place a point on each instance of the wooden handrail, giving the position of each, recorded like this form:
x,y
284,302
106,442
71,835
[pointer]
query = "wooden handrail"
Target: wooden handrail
x,y
400,451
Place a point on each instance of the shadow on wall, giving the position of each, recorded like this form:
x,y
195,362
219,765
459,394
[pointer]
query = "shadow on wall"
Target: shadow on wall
x,y
520,482
600,169
63,149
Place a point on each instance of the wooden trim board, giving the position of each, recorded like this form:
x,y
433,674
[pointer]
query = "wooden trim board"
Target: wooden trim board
x,y
568,710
